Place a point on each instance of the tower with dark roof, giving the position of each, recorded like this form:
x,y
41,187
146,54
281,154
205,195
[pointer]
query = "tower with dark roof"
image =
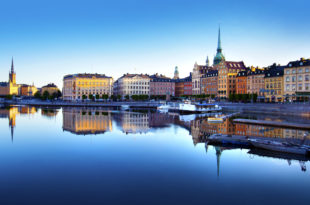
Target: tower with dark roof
x,y
12,75
219,55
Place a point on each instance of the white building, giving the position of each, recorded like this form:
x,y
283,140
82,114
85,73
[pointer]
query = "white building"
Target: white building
x,y
132,84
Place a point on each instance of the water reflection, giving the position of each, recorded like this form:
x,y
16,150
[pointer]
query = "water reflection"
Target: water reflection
x,y
11,112
87,121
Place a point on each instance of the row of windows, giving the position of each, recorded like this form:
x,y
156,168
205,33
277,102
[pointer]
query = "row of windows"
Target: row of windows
x,y
300,78
300,87
293,71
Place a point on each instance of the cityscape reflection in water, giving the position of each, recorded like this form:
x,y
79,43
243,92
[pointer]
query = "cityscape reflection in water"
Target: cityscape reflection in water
x,y
173,150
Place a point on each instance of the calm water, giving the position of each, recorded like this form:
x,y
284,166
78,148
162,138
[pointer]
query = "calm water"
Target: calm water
x,y
87,156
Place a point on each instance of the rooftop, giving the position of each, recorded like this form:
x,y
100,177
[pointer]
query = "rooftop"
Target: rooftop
x,y
86,75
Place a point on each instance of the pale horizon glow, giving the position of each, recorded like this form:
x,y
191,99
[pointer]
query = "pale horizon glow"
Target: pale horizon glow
x,y
50,39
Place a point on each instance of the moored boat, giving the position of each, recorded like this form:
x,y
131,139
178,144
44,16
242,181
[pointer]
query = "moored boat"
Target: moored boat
x,y
279,146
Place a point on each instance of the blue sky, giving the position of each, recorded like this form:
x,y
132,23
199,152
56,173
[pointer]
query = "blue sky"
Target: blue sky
x,y
50,39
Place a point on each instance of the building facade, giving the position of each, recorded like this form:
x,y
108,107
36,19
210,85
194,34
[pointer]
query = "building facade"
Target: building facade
x,y
297,80
227,73
161,85
199,72
28,90
256,82
133,84
241,82
209,83
183,86
274,84
79,86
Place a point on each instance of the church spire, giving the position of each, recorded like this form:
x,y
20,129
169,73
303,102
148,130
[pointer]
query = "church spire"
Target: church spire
x,y
219,55
207,61
12,66
219,44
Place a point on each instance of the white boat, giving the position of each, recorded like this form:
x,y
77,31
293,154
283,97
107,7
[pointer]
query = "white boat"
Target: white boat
x,y
278,146
188,106
163,107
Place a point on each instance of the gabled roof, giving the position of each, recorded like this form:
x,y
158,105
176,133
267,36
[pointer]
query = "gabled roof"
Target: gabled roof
x,y
242,74
86,75
4,84
135,75
256,72
235,65
299,63
211,73
160,78
274,71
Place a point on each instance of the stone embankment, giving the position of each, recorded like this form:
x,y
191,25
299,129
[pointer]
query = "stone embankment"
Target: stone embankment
x,y
302,109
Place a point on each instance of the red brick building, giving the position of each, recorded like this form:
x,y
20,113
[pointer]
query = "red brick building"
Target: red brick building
x,y
183,86
241,82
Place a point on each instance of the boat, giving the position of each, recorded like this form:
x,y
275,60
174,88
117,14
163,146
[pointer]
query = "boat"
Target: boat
x,y
279,146
189,107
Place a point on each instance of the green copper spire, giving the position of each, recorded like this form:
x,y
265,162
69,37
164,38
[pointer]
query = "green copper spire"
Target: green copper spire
x,y
219,46
219,55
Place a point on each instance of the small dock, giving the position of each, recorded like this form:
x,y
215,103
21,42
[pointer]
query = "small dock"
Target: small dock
x,y
274,124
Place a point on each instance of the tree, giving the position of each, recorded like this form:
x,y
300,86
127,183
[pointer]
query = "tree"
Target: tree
x,y
84,97
105,97
119,97
127,97
212,96
97,97
37,95
90,96
46,95
59,94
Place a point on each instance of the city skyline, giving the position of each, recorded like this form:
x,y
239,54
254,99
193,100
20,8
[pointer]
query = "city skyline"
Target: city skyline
x,y
145,37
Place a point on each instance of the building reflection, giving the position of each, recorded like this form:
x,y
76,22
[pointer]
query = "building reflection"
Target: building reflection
x,y
86,121
12,112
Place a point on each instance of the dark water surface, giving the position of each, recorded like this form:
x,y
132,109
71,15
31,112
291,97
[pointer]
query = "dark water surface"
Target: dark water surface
x,y
87,156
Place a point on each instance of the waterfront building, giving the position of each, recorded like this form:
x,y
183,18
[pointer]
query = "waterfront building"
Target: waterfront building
x,y
199,72
209,82
10,87
256,82
79,86
241,82
161,85
86,121
28,90
183,86
133,84
274,83
227,73
297,80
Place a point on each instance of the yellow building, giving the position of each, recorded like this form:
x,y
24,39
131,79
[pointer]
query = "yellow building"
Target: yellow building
x,y
10,88
274,84
79,86
50,88
227,72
